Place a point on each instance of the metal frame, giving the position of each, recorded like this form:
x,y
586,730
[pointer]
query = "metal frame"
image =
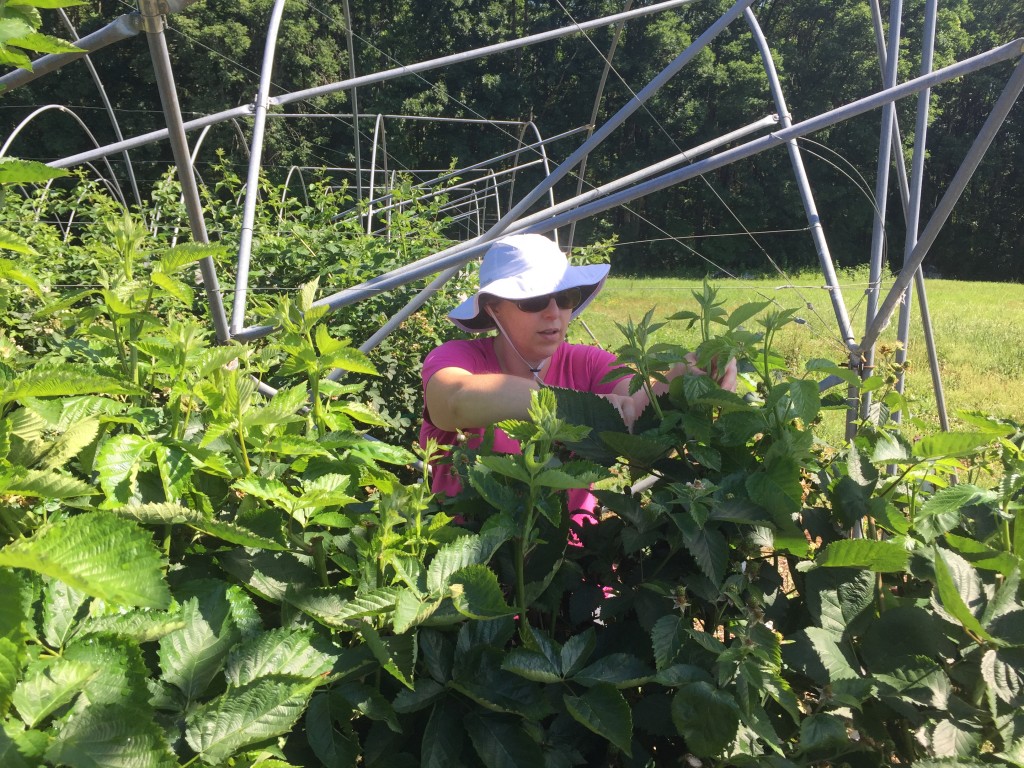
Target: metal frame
x,y
671,171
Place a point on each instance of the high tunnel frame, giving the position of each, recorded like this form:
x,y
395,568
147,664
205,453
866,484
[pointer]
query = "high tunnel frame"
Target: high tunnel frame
x,y
150,19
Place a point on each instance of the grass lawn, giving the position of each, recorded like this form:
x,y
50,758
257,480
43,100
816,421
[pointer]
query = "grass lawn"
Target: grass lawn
x,y
977,329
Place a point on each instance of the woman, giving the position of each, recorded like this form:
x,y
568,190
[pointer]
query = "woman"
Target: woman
x,y
528,293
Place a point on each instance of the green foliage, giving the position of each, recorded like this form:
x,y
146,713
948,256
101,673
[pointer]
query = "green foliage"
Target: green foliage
x,y
198,573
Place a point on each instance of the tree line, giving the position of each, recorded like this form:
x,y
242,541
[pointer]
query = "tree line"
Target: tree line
x,y
741,218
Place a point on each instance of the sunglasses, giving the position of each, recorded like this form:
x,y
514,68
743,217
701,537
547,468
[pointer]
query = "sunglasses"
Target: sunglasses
x,y
570,298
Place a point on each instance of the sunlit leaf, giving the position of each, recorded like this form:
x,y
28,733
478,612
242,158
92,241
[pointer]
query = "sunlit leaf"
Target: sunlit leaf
x,y
98,554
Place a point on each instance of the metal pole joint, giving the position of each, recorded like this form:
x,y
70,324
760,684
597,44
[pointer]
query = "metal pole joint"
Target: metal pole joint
x,y
153,14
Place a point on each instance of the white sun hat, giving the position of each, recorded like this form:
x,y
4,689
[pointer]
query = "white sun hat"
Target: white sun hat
x,y
523,266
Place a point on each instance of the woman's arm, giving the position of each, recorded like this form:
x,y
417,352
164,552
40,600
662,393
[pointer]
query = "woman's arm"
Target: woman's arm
x,y
458,399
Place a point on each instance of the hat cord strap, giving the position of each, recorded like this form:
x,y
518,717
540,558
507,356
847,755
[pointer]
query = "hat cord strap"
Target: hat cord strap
x,y
534,370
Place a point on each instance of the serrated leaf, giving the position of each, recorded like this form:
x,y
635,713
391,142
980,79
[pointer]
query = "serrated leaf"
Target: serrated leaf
x,y
367,701
502,742
111,735
337,607
16,171
397,655
44,484
118,462
667,638
531,665
421,696
61,605
706,717
823,732
622,670
10,671
475,593
835,658
233,533
349,359
638,450
141,626
49,685
875,556
176,288
955,738
192,656
806,402
711,551
98,554
603,710
9,270
1003,671
959,588
463,552
334,747
951,444
281,652
259,711
443,736
943,511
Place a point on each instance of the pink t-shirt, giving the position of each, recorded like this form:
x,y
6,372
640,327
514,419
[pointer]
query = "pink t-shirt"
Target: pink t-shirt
x,y
573,366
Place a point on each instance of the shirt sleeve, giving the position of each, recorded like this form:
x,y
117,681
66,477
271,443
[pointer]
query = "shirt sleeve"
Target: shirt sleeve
x,y
453,354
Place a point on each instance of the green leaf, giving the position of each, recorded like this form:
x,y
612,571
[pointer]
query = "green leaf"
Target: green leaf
x,y
98,554
118,462
61,605
184,254
338,607
502,742
9,270
622,670
953,737
443,736
531,665
944,511
667,638
15,171
49,685
776,487
396,654
638,450
481,678
836,660
192,656
369,702
805,398
111,735
706,717
333,747
425,693
951,444
822,732
875,556
282,652
175,288
10,671
266,708
711,551
603,710
44,484
959,588
464,551
475,592
1003,671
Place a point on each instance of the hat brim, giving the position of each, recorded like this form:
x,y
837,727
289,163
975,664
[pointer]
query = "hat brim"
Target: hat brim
x,y
470,317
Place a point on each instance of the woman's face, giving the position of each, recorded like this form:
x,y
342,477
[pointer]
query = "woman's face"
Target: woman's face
x,y
535,334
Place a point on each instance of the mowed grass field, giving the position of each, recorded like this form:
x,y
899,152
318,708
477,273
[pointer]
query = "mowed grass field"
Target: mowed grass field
x,y
977,327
